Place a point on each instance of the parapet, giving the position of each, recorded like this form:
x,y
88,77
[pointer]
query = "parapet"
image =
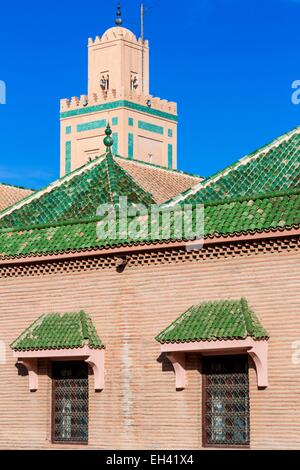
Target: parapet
x,y
106,97
114,34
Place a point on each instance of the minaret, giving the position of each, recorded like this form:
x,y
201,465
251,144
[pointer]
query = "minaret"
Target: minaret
x,y
144,128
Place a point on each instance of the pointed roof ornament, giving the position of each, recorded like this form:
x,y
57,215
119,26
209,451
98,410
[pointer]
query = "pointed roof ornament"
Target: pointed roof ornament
x,y
108,140
118,19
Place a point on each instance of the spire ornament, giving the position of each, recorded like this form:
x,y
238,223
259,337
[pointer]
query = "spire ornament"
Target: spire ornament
x,y
108,140
118,19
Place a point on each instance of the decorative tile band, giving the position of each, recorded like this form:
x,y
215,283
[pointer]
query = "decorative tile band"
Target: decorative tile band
x,y
115,121
130,122
68,130
116,105
170,133
89,126
146,126
130,145
170,156
115,148
68,157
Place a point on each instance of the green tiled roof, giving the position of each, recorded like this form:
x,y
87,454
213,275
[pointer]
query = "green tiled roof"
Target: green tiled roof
x,y
273,168
273,211
62,216
211,321
55,331
263,213
77,196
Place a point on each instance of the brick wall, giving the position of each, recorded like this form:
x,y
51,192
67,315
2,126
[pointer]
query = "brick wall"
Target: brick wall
x,y
139,408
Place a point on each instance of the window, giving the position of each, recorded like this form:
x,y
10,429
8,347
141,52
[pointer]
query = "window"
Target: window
x,y
104,81
225,401
134,81
70,395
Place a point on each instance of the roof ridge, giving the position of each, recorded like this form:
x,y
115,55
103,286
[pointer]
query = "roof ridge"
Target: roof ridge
x,y
112,162
109,162
83,322
247,321
47,189
250,319
241,161
177,321
36,323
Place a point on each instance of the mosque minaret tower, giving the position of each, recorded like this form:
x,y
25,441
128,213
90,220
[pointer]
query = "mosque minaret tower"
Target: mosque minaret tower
x,y
144,128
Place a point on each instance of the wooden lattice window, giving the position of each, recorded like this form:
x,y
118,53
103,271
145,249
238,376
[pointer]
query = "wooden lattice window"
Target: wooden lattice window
x,y
226,401
70,402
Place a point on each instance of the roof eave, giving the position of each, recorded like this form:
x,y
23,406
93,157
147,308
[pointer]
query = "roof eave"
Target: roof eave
x,y
151,246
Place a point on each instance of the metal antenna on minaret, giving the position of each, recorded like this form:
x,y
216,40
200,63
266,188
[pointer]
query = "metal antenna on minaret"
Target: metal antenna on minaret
x,y
143,11
118,19
143,37
142,21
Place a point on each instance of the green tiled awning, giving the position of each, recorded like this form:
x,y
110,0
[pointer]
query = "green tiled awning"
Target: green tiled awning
x,y
211,321
56,331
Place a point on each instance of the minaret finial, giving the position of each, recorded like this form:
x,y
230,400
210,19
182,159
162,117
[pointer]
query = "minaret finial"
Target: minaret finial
x,y
108,140
119,20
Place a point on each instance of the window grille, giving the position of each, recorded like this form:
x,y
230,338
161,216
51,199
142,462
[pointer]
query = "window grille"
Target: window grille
x,y
226,401
70,402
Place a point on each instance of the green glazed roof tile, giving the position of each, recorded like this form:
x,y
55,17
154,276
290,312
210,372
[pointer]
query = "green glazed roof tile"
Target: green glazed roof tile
x,y
255,214
234,217
272,168
211,321
62,216
77,195
55,331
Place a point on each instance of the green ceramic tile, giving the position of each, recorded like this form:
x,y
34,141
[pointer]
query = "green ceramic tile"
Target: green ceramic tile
x,y
55,331
218,320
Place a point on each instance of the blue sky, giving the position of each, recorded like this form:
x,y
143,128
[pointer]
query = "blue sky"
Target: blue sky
x,y
228,63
